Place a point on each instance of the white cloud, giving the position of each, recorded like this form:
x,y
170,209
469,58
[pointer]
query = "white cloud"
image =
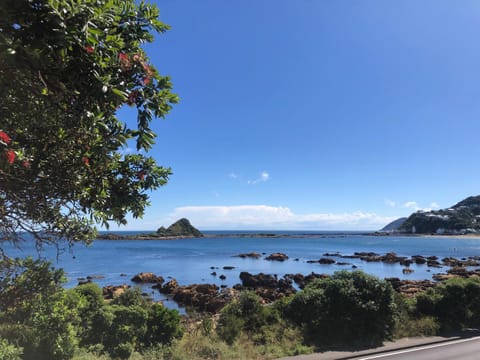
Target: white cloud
x,y
434,205
390,203
264,177
413,205
275,218
233,176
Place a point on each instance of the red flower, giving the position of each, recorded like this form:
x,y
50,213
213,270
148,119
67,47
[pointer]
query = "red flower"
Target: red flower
x,y
10,156
148,73
141,175
4,137
26,164
86,161
124,60
89,49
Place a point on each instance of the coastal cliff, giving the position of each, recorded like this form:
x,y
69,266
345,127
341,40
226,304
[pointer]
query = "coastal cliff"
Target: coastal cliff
x,y
462,218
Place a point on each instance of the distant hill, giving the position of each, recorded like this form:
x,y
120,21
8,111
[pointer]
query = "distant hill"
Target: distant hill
x,y
463,217
181,228
394,225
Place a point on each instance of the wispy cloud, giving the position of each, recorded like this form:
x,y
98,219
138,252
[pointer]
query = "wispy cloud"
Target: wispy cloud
x,y
264,177
233,176
390,203
275,217
413,205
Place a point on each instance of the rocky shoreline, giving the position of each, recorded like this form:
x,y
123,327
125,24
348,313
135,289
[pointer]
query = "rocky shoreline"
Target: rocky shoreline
x,y
211,298
155,236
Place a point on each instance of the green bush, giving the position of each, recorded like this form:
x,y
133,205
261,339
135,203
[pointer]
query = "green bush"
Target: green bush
x,y
35,312
131,297
9,351
346,308
163,326
94,319
248,315
129,324
230,323
456,303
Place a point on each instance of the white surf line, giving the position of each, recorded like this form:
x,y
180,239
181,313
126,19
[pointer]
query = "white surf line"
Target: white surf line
x,y
419,348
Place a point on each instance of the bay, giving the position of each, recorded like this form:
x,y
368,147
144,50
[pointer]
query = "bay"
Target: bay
x,y
192,261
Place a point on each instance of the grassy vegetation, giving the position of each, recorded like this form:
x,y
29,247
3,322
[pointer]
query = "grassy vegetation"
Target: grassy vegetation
x,y
41,320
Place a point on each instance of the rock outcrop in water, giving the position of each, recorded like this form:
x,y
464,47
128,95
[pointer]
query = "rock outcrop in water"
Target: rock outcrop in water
x,y
277,257
147,277
201,297
181,228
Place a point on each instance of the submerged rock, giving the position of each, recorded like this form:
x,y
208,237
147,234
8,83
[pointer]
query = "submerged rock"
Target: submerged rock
x,y
252,255
277,257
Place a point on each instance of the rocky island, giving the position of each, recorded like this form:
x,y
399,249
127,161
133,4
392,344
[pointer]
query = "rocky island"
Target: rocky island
x,y
182,229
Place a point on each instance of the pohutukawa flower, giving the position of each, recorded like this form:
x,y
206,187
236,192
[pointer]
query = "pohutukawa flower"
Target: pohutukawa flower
x,y
5,138
124,61
10,156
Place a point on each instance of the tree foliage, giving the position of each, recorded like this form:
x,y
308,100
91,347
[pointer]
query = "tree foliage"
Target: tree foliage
x,y
346,308
41,320
36,314
66,67
456,303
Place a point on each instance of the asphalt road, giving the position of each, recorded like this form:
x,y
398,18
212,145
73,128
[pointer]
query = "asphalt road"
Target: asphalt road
x,y
464,349
462,346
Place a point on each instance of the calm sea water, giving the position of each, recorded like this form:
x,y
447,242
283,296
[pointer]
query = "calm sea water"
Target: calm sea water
x,y
191,260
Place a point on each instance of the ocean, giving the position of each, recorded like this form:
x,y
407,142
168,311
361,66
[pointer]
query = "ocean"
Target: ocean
x,y
115,262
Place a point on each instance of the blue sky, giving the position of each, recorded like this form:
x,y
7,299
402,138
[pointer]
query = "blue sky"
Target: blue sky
x,y
316,114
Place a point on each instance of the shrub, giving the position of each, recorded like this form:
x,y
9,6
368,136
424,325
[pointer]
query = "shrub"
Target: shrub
x,y
9,351
245,314
128,325
230,323
131,297
95,320
36,313
346,308
163,326
456,303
